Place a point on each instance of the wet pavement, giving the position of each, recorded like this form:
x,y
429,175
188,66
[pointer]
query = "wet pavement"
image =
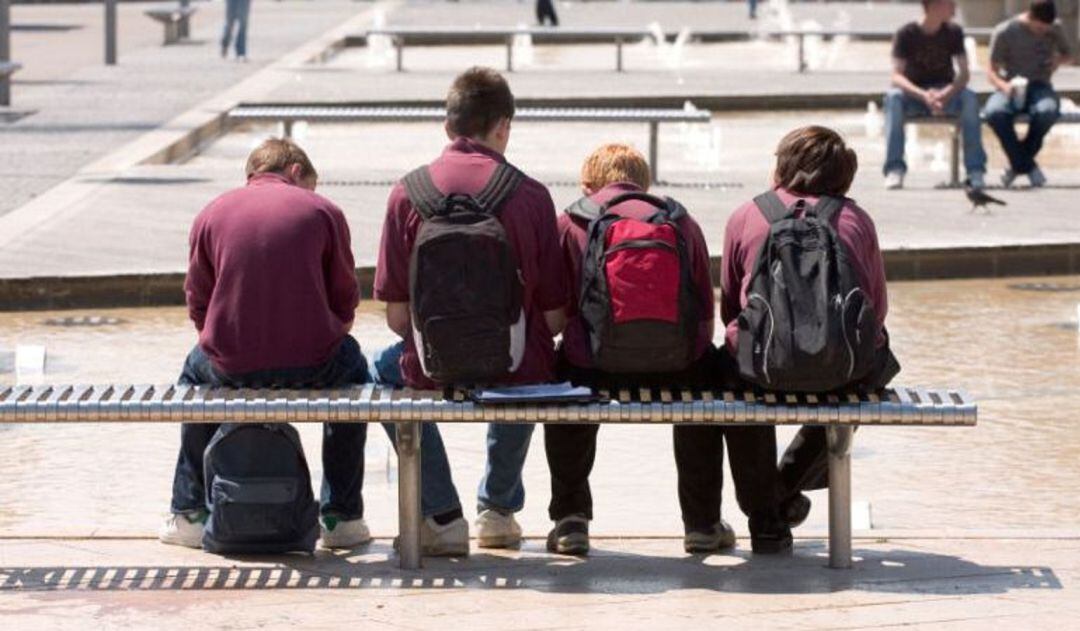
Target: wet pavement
x,y
1013,343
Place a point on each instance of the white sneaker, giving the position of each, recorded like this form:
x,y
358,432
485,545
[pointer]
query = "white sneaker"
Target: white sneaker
x,y
338,533
1007,178
497,530
894,180
184,529
977,181
448,540
1038,180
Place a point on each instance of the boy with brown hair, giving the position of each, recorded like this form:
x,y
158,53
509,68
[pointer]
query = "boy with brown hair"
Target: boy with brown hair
x,y
814,171
491,320
269,320
641,262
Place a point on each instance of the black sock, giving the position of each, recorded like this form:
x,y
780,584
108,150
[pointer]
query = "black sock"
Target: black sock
x,y
445,518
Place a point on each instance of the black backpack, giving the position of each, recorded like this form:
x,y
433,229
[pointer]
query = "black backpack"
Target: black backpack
x,y
638,301
807,326
465,284
258,490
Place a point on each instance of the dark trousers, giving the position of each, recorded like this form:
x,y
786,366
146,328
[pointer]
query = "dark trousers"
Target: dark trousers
x,y
342,446
571,451
545,10
1043,108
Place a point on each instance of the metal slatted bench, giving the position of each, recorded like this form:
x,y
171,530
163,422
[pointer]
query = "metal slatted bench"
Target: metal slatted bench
x,y
482,35
290,114
175,20
1067,118
406,408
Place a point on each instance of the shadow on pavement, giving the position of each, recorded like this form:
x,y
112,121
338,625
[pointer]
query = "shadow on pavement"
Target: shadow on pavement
x,y
607,572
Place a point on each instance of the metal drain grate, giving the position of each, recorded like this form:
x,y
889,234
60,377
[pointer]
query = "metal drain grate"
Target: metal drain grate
x,y
88,321
1046,287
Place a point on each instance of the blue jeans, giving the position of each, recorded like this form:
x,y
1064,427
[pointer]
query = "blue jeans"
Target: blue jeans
x,y
899,106
501,488
1042,106
343,443
438,494
236,12
753,8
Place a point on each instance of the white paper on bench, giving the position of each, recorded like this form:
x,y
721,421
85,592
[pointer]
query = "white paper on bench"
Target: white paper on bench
x,y
538,392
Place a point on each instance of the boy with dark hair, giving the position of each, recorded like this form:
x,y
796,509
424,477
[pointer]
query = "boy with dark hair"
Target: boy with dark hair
x,y
926,83
1025,52
615,179
269,320
812,163
472,180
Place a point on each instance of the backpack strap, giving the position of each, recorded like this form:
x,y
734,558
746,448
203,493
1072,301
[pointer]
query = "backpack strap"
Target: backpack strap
x,y
770,205
423,194
504,181
827,207
584,209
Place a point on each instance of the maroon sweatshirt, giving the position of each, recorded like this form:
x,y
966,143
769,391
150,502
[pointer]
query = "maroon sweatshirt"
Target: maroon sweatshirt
x,y
271,281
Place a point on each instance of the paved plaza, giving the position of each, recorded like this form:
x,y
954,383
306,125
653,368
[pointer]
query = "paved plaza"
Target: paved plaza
x,y
102,170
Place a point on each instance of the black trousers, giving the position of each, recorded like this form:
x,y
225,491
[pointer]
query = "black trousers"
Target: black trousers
x,y
571,450
545,9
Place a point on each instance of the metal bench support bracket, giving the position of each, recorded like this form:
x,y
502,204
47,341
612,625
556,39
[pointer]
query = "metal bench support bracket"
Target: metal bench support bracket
x,y
409,515
839,496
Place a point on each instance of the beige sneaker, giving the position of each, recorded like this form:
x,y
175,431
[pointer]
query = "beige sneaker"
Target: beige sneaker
x,y
894,180
497,530
449,540
183,529
338,533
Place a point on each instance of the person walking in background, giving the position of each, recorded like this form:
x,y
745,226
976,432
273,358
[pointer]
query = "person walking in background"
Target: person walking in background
x,y
1025,51
925,83
545,11
236,14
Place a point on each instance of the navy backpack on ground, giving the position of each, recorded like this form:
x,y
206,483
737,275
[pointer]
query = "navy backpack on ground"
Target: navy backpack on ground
x,y
258,491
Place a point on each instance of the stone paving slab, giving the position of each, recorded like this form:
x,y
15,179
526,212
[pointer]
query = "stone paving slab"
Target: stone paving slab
x,y
91,110
357,163
624,584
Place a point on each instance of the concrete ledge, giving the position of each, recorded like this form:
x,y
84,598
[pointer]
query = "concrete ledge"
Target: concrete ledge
x,y
161,289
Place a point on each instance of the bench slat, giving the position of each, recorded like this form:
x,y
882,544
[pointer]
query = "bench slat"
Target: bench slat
x,y
371,403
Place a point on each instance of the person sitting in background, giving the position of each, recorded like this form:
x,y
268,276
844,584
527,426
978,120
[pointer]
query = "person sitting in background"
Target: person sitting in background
x,y
930,77
1025,52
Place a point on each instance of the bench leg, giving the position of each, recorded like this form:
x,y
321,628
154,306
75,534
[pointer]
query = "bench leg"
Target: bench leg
x,y
510,54
618,55
654,151
408,450
171,29
399,45
802,52
839,496
954,158
286,128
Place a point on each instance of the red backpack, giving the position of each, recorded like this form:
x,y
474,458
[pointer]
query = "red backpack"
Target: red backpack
x,y
637,300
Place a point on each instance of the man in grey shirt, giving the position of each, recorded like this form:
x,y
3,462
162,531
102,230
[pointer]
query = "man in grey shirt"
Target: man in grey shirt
x,y
1025,51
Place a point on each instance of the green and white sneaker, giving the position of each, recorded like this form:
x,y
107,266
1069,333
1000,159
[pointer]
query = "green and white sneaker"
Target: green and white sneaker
x,y
184,529
719,537
343,533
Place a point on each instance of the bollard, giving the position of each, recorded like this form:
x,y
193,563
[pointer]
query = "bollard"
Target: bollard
x,y
110,32
5,50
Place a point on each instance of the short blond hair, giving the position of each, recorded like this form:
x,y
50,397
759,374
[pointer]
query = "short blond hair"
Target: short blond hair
x,y
613,163
275,155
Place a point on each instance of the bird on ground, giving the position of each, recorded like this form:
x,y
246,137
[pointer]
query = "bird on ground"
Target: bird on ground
x,y
979,198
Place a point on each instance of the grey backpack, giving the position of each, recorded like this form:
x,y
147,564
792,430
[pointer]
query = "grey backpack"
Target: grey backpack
x,y
807,326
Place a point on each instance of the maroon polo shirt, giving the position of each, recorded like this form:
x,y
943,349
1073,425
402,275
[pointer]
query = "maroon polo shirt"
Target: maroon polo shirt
x,y
573,240
271,281
528,216
746,231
